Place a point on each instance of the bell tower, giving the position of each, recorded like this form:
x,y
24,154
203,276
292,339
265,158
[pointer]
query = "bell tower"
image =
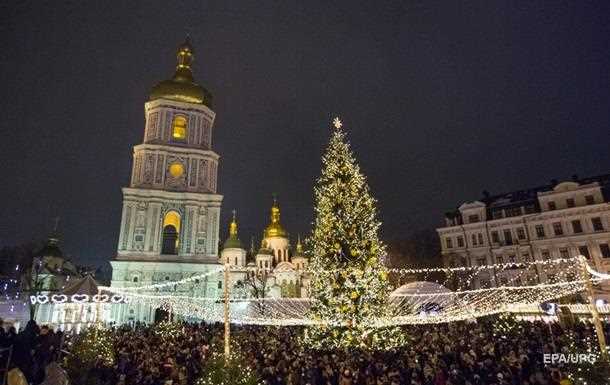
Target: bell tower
x,y
171,209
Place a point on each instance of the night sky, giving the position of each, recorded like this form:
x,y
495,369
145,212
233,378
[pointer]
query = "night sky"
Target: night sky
x,y
441,101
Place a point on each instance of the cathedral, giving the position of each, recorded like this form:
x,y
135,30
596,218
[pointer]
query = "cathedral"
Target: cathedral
x,y
282,267
171,210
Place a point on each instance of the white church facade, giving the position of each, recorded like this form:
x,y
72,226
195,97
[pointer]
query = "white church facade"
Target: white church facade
x,y
171,210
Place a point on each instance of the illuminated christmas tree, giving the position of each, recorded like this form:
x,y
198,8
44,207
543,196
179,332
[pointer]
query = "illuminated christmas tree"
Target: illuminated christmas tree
x,y
93,348
349,287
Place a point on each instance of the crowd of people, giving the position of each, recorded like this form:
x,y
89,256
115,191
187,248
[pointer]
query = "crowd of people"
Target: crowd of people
x,y
31,350
448,354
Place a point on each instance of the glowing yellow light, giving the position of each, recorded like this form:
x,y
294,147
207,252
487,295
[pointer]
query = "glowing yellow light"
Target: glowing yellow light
x,y
172,218
179,128
176,170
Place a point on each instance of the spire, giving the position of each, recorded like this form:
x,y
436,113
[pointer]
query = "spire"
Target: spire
x,y
299,248
275,229
252,248
233,225
185,57
233,241
182,86
54,236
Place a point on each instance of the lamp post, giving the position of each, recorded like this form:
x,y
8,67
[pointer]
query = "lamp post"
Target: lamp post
x,y
226,315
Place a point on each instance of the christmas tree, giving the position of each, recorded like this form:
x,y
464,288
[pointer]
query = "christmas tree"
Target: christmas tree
x,y
93,348
349,288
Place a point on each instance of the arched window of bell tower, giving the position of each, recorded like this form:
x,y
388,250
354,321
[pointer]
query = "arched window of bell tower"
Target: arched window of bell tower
x,y
171,233
179,128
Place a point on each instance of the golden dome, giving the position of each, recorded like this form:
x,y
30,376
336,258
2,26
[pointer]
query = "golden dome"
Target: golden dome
x,y
275,229
233,240
182,86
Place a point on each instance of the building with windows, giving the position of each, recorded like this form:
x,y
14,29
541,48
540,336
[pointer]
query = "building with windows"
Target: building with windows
x,y
559,220
276,262
171,208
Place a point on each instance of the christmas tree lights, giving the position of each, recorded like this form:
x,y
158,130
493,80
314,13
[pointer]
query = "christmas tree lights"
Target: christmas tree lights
x,y
350,290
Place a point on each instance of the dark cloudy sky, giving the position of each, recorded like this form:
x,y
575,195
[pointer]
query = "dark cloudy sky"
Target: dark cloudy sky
x,y
441,100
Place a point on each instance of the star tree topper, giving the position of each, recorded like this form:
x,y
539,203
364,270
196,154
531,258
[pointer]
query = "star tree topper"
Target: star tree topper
x,y
337,123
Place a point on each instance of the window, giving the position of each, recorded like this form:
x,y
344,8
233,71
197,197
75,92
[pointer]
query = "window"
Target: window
x,y
499,259
512,259
570,202
552,205
481,261
179,128
449,243
460,241
563,253
557,228
480,237
545,255
584,251
530,208
220,284
497,214
171,229
590,199
508,237
597,224
473,218
495,238
540,231
473,239
167,277
520,233
576,226
605,250
513,212
135,279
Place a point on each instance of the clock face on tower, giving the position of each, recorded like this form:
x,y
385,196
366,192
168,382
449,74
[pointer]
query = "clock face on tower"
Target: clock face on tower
x,y
176,170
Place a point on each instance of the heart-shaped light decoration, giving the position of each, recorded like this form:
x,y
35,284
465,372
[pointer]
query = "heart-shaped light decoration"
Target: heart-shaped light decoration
x,y
117,298
80,298
42,298
101,298
59,298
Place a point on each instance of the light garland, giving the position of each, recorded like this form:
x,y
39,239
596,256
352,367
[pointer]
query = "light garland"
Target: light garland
x,y
164,284
78,298
407,309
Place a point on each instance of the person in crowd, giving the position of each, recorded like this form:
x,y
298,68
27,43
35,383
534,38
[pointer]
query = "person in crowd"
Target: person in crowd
x,y
461,353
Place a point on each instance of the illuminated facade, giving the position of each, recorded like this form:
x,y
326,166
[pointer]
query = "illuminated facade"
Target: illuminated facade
x,y
560,220
169,223
282,266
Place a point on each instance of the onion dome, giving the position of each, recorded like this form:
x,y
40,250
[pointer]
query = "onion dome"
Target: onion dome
x,y
51,249
233,241
182,86
275,229
299,249
265,250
